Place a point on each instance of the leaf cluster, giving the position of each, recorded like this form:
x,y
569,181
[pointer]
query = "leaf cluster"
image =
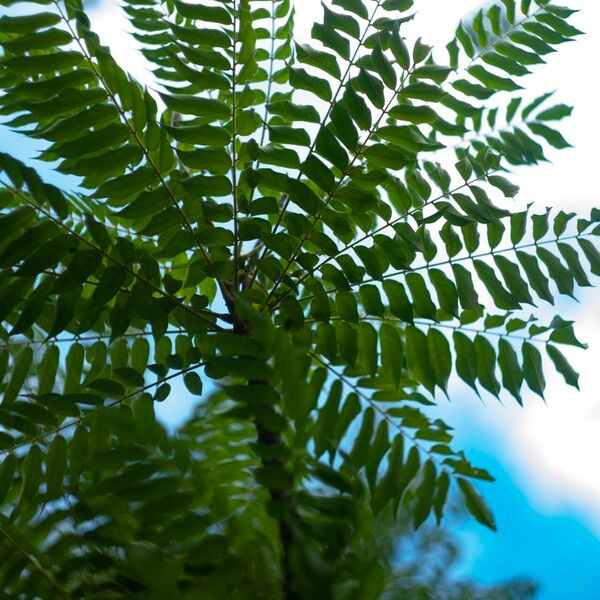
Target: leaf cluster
x,y
274,223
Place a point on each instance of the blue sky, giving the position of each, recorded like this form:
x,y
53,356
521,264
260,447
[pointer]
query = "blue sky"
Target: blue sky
x,y
559,551
547,495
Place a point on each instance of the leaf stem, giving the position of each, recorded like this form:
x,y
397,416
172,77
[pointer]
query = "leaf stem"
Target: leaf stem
x,y
331,195
387,224
311,149
108,256
62,591
426,323
452,261
93,413
381,412
236,244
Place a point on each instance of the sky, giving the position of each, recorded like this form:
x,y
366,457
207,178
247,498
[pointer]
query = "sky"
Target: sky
x,y
547,495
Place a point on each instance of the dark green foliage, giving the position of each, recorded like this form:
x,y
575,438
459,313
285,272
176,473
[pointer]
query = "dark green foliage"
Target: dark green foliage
x,y
271,232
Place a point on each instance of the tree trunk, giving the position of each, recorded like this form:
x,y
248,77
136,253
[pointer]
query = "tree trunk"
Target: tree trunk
x,y
283,503
286,512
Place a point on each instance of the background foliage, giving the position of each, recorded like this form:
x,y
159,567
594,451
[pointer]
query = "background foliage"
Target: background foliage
x,y
324,231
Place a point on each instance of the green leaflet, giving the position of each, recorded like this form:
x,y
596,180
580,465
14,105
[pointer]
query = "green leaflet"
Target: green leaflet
x,y
47,370
341,21
43,64
294,112
422,91
18,375
27,23
486,365
205,185
369,85
206,159
553,137
213,14
418,360
467,294
82,265
446,291
38,41
123,187
507,188
591,254
7,473
532,369
144,204
15,220
424,495
535,276
331,39
399,303
56,466
31,470
414,114
316,58
512,376
561,364
391,352
561,276
212,110
201,36
440,357
422,303
490,80
502,298
404,136
355,6
466,359
359,452
200,134
300,79
475,504
512,277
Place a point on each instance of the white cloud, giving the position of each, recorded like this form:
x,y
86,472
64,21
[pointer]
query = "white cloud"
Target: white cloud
x,y
113,28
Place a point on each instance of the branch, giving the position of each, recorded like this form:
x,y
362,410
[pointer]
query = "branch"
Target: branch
x,y
384,415
131,128
234,185
331,195
109,257
286,512
449,262
93,413
381,228
61,591
341,85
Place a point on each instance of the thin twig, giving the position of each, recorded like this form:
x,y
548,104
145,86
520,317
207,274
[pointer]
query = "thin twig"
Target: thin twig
x,y
108,256
93,413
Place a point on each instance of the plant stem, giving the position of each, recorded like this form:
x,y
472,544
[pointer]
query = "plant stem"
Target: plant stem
x,y
283,506
284,510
